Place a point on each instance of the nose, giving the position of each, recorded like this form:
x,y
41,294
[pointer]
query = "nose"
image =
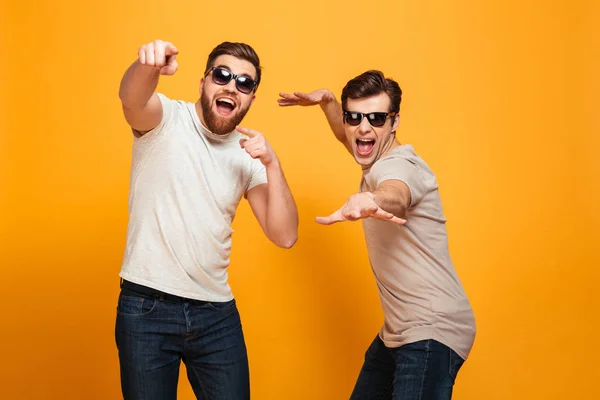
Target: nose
x,y
364,127
230,87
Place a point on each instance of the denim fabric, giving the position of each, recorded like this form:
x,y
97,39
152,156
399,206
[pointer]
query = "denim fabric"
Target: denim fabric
x,y
423,370
154,334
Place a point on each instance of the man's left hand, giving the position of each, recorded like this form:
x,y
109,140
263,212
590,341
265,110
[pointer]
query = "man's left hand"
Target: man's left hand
x,y
360,206
257,146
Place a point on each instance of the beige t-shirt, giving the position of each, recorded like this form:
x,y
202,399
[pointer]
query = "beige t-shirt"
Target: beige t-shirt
x,y
420,292
186,184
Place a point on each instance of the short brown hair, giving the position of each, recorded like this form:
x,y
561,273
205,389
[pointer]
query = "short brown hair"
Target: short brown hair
x,y
237,50
372,83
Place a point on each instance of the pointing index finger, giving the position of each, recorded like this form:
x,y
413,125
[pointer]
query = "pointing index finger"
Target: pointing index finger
x,y
248,132
171,50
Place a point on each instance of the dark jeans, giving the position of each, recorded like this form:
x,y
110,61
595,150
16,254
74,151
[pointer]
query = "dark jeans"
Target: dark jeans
x,y
155,332
423,370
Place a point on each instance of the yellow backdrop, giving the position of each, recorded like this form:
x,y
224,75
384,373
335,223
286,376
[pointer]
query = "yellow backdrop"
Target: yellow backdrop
x,y
500,98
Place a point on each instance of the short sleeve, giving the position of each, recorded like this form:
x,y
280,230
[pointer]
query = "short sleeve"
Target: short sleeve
x,y
168,109
400,169
258,174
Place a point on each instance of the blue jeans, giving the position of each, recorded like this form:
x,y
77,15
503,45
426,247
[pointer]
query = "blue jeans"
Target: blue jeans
x,y
155,331
424,370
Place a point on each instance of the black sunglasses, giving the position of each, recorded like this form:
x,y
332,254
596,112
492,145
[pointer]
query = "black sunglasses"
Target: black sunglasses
x,y
222,76
374,118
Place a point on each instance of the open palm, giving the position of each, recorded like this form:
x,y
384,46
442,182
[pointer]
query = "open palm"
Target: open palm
x,y
305,99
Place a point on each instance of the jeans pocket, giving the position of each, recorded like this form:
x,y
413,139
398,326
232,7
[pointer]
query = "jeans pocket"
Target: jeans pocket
x,y
135,305
222,305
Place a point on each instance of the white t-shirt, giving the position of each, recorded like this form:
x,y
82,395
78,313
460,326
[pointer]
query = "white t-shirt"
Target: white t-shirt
x,y
186,184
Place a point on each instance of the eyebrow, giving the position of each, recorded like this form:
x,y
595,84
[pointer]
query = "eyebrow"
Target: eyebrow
x,y
229,69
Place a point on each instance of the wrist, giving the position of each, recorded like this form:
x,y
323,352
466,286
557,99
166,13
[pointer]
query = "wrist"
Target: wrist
x,y
327,99
274,164
150,71
372,196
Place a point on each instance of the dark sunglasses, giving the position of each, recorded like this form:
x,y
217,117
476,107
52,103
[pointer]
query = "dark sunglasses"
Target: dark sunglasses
x,y
221,76
374,118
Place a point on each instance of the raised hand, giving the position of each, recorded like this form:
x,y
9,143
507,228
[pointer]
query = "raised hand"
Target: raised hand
x,y
160,55
257,146
305,99
360,206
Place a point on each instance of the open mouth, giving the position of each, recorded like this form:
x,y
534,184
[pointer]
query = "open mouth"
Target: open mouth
x,y
225,106
364,147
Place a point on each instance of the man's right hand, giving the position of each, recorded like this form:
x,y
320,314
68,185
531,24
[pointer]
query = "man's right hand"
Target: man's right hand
x,y
320,96
160,55
141,105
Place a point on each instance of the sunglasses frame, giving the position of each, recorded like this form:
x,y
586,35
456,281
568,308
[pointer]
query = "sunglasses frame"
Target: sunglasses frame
x,y
232,76
363,115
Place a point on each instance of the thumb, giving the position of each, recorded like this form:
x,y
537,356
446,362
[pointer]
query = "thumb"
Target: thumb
x,y
170,60
332,219
325,220
171,66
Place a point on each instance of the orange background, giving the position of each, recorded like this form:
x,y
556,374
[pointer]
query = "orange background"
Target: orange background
x,y
500,98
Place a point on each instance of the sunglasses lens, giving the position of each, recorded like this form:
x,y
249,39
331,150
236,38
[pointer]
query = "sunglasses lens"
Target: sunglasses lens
x,y
244,84
353,118
221,76
377,119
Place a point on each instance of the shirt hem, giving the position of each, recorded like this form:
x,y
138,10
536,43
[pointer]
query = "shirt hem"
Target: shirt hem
x,y
169,290
424,336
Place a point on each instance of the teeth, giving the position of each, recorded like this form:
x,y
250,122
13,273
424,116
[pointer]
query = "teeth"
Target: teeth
x,y
365,140
226,100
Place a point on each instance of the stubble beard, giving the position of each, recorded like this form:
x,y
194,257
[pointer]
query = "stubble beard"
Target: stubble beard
x,y
218,124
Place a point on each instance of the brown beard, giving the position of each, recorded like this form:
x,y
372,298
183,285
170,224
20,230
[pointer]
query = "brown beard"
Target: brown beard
x,y
217,124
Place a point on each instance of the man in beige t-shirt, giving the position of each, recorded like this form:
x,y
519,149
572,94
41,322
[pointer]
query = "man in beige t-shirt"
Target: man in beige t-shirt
x,y
429,325
191,166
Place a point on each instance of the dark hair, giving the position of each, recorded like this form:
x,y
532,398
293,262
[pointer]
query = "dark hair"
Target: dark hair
x,y
237,50
372,83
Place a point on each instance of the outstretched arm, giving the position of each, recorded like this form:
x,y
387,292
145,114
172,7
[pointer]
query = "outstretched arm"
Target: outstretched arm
x,y
388,202
330,106
141,106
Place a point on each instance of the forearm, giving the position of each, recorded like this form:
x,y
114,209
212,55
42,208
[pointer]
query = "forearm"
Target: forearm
x,y
391,199
138,85
333,111
282,214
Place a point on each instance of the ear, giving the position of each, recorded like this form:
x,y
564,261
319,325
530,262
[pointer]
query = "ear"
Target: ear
x,y
252,99
201,84
396,122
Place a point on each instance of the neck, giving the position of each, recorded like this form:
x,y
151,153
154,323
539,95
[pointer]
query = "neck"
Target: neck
x,y
392,143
